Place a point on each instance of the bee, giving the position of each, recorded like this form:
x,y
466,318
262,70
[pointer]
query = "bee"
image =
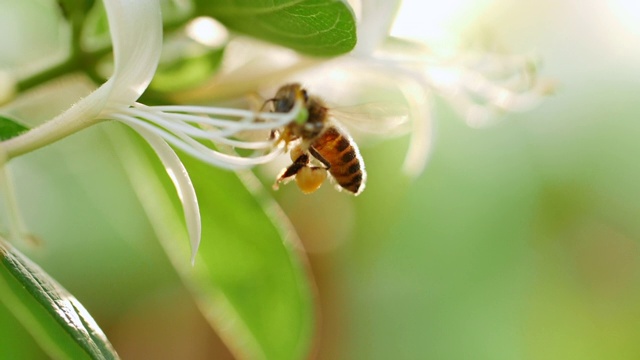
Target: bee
x,y
321,141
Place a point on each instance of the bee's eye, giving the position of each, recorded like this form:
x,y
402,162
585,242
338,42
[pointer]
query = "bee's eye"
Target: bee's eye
x,y
282,105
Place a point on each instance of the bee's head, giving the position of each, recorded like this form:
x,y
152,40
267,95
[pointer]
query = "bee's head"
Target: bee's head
x,y
288,95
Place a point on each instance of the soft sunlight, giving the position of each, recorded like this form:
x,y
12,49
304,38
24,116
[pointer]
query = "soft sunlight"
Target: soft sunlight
x,y
207,31
628,12
439,24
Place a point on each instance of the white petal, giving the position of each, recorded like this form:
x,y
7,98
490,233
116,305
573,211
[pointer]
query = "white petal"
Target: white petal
x,y
136,33
419,99
8,86
373,27
181,181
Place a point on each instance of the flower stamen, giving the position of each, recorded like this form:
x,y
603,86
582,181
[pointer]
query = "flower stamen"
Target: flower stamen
x,y
185,127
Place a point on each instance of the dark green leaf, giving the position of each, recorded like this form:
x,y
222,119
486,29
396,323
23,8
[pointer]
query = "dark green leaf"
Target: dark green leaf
x,y
74,8
249,279
58,322
10,128
314,27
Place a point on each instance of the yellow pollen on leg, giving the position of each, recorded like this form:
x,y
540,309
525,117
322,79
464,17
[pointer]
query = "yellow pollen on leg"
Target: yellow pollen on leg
x,y
309,179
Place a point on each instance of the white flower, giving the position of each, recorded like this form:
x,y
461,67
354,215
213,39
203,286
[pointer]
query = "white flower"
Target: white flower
x,y
136,33
477,84
480,84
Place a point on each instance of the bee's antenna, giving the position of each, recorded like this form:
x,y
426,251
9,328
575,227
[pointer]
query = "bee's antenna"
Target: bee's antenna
x,y
267,102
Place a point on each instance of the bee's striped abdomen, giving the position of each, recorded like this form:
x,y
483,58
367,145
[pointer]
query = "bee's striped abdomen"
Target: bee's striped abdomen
x,y
343,158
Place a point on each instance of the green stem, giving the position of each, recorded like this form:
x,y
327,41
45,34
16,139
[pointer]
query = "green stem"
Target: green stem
x,y
81,61
67,67
73,63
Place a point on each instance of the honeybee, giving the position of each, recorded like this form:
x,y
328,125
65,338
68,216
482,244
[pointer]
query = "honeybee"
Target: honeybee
x,y
320,139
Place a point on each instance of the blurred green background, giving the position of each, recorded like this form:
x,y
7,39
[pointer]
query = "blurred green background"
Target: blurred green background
x,y
519,241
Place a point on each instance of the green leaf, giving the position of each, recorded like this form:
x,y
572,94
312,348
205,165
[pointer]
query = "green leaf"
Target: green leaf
x,y
16,342
249,279
57,321
10,128
252,262
187,72
74,9
314,27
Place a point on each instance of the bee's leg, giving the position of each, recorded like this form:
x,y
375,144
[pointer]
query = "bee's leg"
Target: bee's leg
x,y
320,158
283,135
300,162
273,134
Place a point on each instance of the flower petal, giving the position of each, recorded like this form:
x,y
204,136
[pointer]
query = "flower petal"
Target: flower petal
x,y
136,33
181,181
419,100
376,20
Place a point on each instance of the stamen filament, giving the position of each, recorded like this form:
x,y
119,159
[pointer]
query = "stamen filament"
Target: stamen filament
x,y
198,150
282,117
188,129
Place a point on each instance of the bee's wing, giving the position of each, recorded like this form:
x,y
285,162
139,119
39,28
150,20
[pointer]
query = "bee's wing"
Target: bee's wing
x,y
374,118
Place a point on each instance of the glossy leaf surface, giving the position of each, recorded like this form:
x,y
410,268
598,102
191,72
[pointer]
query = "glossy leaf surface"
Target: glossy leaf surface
x,y
58,322
314,27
